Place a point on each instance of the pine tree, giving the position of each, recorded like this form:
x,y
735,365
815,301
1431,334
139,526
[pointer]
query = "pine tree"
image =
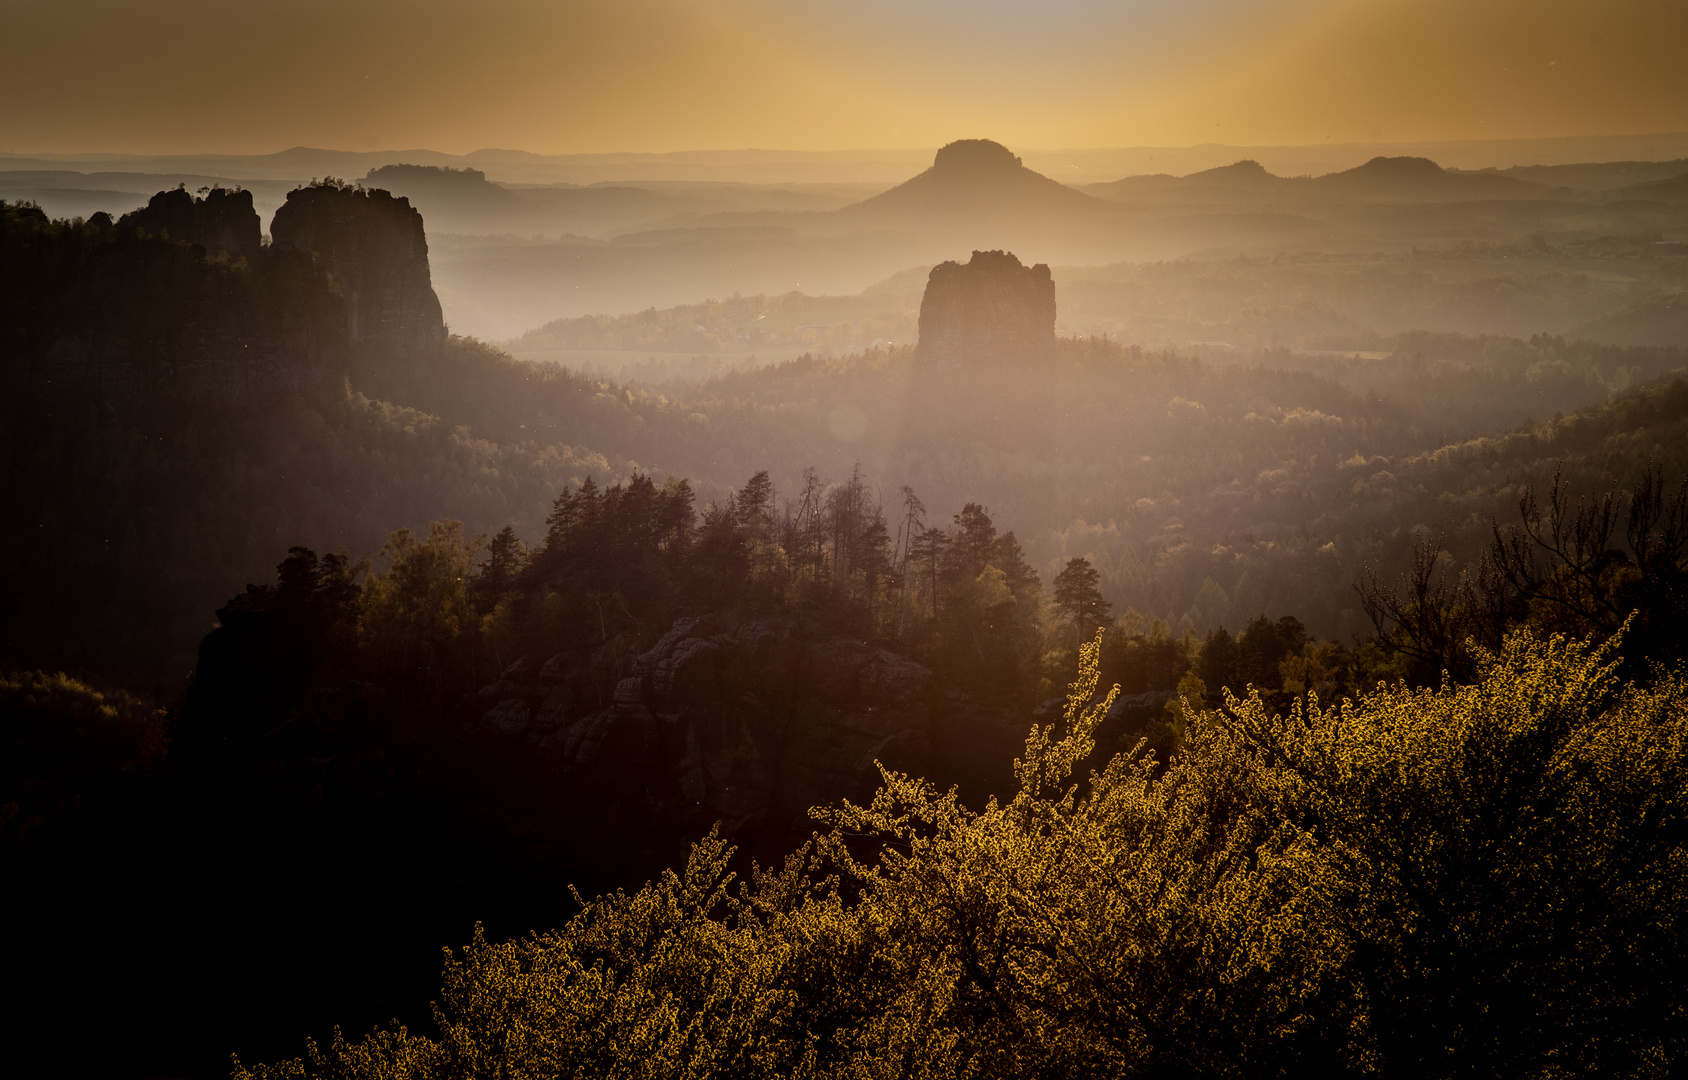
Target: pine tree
x,y
506,559
1079,598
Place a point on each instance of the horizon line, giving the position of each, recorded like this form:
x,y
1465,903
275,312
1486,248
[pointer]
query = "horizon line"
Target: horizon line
x,y
107,155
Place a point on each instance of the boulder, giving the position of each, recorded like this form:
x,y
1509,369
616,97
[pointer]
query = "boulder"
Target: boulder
x,y
630,695
689,671
616,743
553,711
508,717
498,691
1129,704
726,771
729,717
553,671
727,655
848,671
832,756
699,657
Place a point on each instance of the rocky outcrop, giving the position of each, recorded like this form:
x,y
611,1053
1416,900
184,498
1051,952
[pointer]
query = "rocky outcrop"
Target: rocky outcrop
x,y
376,249
992,311
222,220
739,719
176,301
181,300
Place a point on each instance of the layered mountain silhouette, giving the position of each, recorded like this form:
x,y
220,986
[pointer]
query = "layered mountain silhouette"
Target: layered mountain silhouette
x,y
1245,180
1382,179
1674,189
458,200
1246,175
1400,179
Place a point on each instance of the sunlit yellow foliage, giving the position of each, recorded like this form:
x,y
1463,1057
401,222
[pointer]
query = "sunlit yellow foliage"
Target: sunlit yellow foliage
x,y
1483,879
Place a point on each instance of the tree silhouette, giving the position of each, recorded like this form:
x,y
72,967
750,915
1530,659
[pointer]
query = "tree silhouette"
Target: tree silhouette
x,y
1078,597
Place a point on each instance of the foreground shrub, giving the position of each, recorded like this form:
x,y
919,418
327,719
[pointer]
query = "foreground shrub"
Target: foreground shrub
x,y
1484,879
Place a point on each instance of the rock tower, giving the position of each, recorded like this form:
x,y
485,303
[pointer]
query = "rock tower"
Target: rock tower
x,y
992,311
374,245
221,221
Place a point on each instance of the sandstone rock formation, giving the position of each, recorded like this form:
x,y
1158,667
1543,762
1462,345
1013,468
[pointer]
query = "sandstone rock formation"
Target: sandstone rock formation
x,y
992,311
181,300
728,718
376,248
975,155
176,301
220,221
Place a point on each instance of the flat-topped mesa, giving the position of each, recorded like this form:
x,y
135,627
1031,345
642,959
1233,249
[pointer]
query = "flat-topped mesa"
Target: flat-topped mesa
x,y
221,221
991,311
974,156
375,246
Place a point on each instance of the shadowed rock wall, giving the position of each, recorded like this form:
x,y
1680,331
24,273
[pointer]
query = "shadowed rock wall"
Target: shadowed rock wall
x,y
180,299
125,318
221,221
375,246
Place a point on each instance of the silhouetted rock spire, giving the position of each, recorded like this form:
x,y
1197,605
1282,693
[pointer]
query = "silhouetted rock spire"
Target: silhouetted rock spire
x,y
993,310
375,246
221,221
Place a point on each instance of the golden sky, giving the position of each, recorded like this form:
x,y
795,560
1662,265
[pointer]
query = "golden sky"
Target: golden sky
x,y
559,76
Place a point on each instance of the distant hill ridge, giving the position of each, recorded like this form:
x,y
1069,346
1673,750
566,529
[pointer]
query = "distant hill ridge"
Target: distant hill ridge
x,y
1380,178
1673,189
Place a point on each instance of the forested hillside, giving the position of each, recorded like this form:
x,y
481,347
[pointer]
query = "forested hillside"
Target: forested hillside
x,y
823,324
1205,493
1264,485
1114,454
473,630
466,733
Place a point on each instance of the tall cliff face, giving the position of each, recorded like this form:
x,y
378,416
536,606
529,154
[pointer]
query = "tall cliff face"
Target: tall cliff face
x,y
134,315
221,221
991,311
181,298
172,411
375,247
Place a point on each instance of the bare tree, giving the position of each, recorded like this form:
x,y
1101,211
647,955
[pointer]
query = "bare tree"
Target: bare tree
x,y
1583,568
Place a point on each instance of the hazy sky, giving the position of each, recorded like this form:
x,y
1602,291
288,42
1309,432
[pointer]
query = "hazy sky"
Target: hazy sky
x,y
554,76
